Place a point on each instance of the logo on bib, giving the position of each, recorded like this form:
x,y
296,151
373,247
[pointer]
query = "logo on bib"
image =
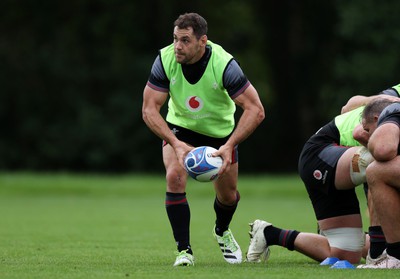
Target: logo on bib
x,y
194,103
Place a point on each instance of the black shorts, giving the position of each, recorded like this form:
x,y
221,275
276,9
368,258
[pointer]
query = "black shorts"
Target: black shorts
x,y
317,168
196,139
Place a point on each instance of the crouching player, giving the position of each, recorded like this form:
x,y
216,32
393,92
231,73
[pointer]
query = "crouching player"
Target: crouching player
x,y
332,163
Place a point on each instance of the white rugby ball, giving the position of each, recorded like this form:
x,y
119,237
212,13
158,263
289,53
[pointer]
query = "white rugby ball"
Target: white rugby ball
x,y
201,165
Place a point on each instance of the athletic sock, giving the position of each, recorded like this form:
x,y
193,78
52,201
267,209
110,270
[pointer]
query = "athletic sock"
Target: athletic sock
x,y
393,249
377,241
178,212
281,237
224,214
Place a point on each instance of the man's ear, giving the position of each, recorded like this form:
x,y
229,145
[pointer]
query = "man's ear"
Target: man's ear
x,y
203,40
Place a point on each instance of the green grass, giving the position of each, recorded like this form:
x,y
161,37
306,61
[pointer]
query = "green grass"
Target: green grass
x,y
82,226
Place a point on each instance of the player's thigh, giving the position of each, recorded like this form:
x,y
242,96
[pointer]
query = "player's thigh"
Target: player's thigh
x,y
169,157
342,175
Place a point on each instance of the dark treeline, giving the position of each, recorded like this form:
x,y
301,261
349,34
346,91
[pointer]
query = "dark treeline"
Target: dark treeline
x,y
73,72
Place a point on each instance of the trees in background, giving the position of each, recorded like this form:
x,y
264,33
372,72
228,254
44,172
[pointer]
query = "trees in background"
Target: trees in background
x,y
72,74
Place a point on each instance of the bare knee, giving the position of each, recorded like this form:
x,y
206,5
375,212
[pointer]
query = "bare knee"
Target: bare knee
x,y
176,180
372,173
346,243
353,257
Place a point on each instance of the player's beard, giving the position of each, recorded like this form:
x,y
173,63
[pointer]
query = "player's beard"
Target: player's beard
x,y
181,58
185,57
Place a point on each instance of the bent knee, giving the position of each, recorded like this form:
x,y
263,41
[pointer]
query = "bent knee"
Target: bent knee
x,y
348,239
346,243
176,179
373,172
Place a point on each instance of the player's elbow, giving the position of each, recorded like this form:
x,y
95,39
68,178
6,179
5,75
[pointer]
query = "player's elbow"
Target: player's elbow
x,y
260,114
144,115
353,103
384,152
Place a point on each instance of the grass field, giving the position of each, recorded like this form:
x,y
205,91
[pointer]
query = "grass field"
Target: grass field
x,y
93,226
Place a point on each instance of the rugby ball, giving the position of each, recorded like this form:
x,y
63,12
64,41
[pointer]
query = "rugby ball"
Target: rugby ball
x,y
201,165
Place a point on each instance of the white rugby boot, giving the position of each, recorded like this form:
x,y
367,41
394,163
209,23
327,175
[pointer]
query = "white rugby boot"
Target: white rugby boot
x,y
370,260
258,250
386,261
229,247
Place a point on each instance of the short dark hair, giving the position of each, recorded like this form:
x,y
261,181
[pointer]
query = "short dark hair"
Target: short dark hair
x,y
375,107
194,20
